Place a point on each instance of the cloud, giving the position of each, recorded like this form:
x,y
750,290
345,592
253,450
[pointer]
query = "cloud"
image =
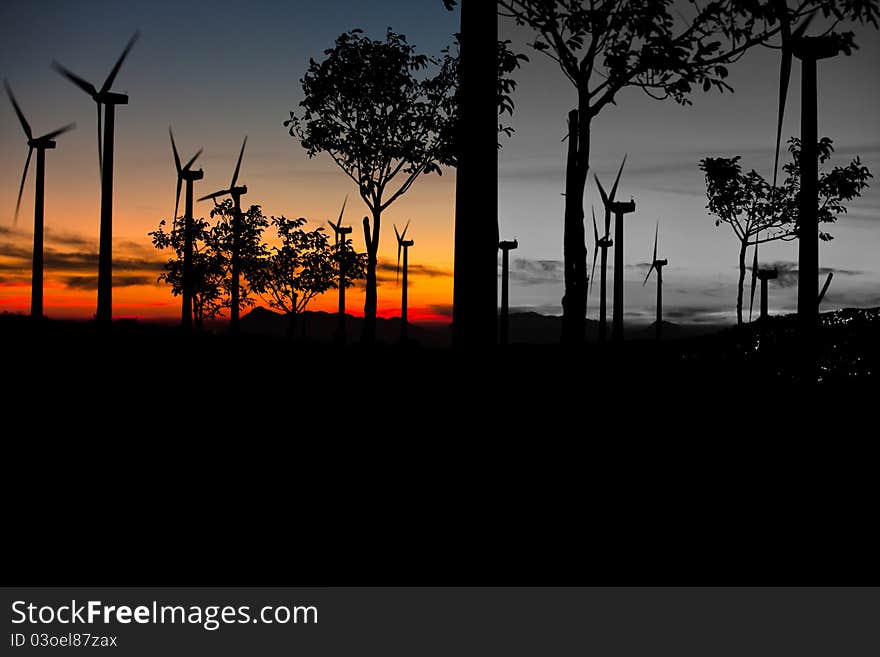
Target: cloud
x,y
851,299
692,314
788,272
525,271
548,310
91,282
386,272
414,270
133,263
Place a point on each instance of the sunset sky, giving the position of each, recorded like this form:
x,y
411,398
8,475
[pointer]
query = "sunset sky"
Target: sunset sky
x,y
220,69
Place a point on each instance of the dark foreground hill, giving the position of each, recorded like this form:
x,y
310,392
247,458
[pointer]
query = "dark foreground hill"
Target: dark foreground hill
x,y
525,328
136,455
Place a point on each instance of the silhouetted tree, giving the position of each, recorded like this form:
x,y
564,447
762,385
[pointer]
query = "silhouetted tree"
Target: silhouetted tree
x,y
252,250
604,46
208,266
303,266
758,214
375,109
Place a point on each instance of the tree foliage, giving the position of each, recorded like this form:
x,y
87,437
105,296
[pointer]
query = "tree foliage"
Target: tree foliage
x,y
757,213
208,266
251,248
750,206
373,107
303,266
660,46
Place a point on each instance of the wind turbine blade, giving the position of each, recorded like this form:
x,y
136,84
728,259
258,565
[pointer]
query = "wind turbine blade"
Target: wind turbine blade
x,y
799,32
405,228
649,275
754,278
341,212
396,234
110,78
238,164
595,228
100,145
602,193
59,131
192,160
222,192
784,76
24,124
617,180
595,248
656,233
174,150
27,163
177,199
397,280
825,287
88,87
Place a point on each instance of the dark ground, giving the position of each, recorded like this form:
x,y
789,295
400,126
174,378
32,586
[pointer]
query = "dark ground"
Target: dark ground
x,y
138,456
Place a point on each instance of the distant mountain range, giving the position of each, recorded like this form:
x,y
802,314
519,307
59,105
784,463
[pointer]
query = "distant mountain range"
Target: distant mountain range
x,y
525,327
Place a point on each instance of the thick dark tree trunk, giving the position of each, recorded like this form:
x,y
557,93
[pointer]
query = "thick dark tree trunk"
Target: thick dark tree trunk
x,y
475,291
574,303
742,277
368,336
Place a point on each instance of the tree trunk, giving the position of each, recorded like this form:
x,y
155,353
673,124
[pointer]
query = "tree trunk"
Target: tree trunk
x,y
291,318
574,303
291,325
742,277
368,336
475,287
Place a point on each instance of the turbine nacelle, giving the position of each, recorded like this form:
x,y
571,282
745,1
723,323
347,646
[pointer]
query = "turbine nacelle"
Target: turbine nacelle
x,y
767,274
660,263
508,245
815,48
190,174
110,98
41,143
235,192
620,207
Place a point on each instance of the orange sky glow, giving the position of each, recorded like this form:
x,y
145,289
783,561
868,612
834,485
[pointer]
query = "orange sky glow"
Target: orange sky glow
x,y
72,227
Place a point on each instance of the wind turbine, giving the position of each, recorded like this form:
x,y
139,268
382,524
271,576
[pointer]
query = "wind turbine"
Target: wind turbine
x,y
809,50
403,244
108,100
619,209
235,193
341,231
604,243
187,175
765,275
658,265
39,144
505,247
